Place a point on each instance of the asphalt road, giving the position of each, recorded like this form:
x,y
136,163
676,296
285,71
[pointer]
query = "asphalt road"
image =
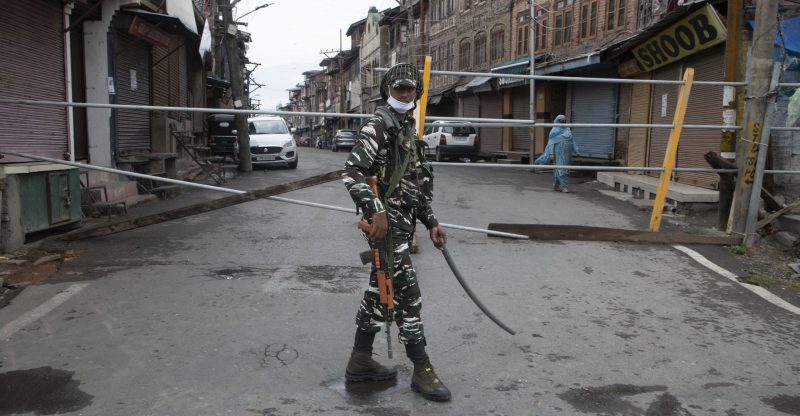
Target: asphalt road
x,y
249,310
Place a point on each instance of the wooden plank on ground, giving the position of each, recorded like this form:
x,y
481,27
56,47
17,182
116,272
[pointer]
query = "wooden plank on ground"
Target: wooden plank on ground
x,y
131,223
586,233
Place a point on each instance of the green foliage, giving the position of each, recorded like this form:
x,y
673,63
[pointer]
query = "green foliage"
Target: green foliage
x,y
739,249
759,279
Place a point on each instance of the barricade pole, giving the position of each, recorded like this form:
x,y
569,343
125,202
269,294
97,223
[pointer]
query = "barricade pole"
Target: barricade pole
x,y
672,150
423,101
239,192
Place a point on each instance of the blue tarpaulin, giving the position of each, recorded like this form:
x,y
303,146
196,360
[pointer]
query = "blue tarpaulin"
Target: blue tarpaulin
x,y
791,35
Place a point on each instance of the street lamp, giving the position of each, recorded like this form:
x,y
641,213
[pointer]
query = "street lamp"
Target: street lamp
x,y
257,8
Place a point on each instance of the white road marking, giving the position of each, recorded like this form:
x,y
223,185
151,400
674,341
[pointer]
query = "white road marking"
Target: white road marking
x,y
758,290
9,330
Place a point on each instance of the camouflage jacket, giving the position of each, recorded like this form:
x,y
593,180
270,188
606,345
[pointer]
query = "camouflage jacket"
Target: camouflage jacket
x,y
383,144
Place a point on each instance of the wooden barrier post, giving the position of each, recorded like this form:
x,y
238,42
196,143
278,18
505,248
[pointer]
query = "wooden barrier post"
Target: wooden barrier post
x,y
672,150
423,101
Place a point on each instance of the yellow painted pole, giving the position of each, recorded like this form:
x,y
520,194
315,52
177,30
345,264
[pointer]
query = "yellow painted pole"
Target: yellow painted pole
x,y
423,101
672,150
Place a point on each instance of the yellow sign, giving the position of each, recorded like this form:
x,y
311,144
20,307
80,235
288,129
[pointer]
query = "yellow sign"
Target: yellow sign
x,y
701,30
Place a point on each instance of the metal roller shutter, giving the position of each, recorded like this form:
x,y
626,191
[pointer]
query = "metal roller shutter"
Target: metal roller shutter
x,y
132,127
161,76
491,137
32,49
705,107
594,103
663,109
471,106
169,77
640,114
521,110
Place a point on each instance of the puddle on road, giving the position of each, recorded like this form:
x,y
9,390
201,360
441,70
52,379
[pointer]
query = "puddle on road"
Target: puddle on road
x,y
608,399
368,396
41,391
784,403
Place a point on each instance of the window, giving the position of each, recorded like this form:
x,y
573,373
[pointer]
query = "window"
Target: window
x,y
480,49
451,46
523,34
467,4
563,27
497,50
463,54
541,33
593,19
616,14
584,21
559,28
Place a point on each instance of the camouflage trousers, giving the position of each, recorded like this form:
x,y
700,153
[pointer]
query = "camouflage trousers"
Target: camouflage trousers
x,y
407,297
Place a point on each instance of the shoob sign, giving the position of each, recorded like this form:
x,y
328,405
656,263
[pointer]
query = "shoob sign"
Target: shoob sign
x,y
701,30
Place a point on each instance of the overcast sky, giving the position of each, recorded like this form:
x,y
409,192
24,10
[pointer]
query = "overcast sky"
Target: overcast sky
x,y
289,35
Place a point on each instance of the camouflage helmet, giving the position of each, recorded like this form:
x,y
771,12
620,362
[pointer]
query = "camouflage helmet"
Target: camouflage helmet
x,y
401,74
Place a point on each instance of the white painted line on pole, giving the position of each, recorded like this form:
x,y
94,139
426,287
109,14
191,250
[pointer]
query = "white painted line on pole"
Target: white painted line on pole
x,y
758,290
37,313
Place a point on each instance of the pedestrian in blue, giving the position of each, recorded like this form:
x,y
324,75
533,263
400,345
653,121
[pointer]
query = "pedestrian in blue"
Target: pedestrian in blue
x,y
559,150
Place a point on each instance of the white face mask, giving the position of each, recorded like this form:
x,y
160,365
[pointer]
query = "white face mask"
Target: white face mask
x,y
400,106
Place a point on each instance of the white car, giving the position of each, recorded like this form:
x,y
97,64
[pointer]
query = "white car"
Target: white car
x,y
445,140
271,143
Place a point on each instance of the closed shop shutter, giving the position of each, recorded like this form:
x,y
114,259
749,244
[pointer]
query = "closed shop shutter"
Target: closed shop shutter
x,y
640,114
491,137
623,117
705,107
594,103
663,108
161,79
470,106
521,110
169,77
132,79
32,49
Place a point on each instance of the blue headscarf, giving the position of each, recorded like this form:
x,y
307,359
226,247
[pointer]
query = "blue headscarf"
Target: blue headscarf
x,y
559,134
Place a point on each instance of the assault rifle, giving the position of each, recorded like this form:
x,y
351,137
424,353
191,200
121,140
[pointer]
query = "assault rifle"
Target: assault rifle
x,y
385,290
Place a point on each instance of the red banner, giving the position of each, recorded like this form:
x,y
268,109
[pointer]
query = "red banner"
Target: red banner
x,y
143,29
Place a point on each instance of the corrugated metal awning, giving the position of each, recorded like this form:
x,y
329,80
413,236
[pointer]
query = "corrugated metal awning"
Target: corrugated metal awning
x,y
478,84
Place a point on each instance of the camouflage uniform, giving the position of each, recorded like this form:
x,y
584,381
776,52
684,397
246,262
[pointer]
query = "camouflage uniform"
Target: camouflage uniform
x,y
383,144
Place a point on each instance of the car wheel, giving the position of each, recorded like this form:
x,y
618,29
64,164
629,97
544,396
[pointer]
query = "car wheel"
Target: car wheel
x,y
293,165
439,156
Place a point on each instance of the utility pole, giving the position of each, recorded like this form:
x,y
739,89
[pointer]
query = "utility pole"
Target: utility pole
x,y
749,144
532,47
342,95
410,31
237,83
421,30
726,186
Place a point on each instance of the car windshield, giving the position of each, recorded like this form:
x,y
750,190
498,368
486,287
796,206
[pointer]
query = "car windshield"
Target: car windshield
x,y
459,131
347,133
268,127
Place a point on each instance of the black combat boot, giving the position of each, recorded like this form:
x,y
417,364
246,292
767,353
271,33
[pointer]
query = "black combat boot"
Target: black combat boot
x,y
361,366
425,381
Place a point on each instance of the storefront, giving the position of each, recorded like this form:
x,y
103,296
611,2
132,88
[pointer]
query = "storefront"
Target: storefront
x,y
694,41
34,69
593,103
130,69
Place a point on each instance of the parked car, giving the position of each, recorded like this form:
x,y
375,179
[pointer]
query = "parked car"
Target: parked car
x,y
444,140
271,143
303,141
344,139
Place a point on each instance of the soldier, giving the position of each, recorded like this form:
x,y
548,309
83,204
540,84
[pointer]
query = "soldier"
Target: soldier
x,y
388,148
